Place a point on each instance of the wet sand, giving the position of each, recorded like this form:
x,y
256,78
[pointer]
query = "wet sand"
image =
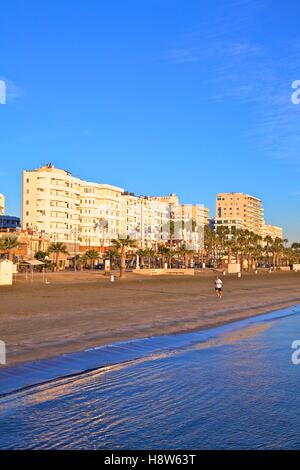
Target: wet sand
x,y
77,311
235,336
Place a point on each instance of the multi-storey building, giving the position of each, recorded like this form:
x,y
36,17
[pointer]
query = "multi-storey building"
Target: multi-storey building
x,y
86,215
9,222
68,209
51,200
171,200
100,214
145,219
189,222
273,231
240,211
2,204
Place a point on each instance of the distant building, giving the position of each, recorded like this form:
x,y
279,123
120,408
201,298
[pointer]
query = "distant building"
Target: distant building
x,y
273,231
212,224
241,211
29,242
189,222
8,222
2,204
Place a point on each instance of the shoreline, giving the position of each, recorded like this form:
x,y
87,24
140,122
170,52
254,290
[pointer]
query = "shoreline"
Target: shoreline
x,y
71,365
41,321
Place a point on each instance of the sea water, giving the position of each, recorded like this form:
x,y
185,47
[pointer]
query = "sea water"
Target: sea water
x,y
207,393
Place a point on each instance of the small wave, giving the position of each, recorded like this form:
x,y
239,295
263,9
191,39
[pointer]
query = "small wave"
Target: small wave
x,y
73,364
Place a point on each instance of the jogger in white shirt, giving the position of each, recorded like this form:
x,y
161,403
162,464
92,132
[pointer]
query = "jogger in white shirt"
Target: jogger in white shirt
x,y
218,287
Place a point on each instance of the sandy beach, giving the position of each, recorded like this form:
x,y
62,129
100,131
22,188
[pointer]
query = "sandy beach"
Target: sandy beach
x,y
75,311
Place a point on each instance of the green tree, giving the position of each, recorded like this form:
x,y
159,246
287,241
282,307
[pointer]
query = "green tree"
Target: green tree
x,y
276,249
295,252
58,248
92,256
123,245
146,253
113,255
164,253
209,243
185,253
9,243
42,256
221,239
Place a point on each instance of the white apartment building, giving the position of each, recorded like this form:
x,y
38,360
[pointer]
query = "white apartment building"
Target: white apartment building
x,y
145,219
100,214
51,203
69,210
86,215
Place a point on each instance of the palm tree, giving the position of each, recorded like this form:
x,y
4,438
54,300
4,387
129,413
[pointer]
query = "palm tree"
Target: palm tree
x,y
268,240
253,248
7,244
150,255
231,247
241,240
142,254
221,238
209,242
276,249
81,261
172,229
41,255
92,256
295,249
146,253
58,248
122,245
113,255
185,253
163,252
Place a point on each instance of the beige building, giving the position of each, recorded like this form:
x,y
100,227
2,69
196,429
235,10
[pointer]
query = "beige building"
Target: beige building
x,y
51,203
171,200
68,209
200,214
189,223
2,204
189,220
241,211
273,231
146,219
100,214
86,215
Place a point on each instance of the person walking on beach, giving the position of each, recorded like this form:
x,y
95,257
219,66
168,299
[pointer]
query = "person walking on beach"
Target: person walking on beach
x,y
218,287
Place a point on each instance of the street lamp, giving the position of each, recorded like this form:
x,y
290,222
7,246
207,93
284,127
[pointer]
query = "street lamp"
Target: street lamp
x,y
74,231
102,224
45,281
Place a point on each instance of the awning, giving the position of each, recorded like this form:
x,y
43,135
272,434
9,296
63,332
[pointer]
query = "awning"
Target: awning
x,y
32,262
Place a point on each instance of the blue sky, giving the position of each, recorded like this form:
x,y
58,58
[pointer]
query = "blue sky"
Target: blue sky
x,y
156,96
